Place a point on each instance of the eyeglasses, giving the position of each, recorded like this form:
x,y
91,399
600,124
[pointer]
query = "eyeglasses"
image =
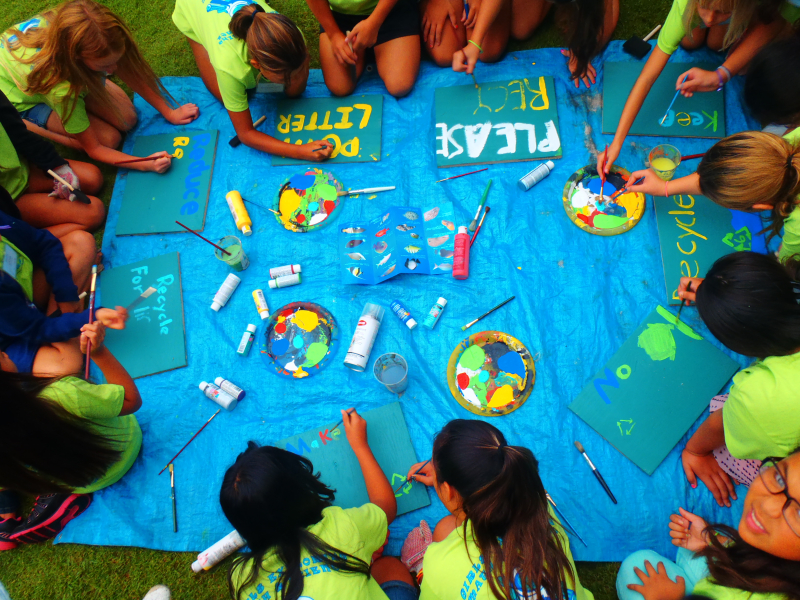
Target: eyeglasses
x,y
775,483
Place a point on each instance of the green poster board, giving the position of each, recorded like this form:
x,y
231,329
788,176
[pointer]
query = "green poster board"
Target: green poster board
x,y
352,125
152,202
501,121
153,340
701,116
332,456
694,232
653,389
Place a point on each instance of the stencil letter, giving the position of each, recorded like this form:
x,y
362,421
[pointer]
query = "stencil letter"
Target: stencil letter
x,y
350,148
521,92
531,134
345,122
610,380
712,121
325,125
697,118
476,136
297,124
447,138
539,94
507,130
367,112
669,120
312,122
552,142
323,435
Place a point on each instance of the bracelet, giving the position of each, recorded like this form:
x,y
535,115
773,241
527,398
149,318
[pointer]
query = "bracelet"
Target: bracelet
x,y
666,193
476,45
721,83
727,70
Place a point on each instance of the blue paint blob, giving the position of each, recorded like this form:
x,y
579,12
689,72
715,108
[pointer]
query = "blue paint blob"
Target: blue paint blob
x,y
594,187
312,206
752,221
279,347
512,363
298,341
302,182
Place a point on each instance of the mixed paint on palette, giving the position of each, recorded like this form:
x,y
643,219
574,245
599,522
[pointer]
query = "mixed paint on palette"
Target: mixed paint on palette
x,y
299,340
307,200
491,373
593,209
404,239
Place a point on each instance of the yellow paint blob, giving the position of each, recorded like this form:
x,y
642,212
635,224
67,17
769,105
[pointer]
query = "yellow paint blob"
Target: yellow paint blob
x,y
630,202
502,397
663,164
300,373
281,319
306,320
290,202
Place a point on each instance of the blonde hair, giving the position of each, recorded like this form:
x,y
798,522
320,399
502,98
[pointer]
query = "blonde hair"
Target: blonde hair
x,y
80,29
742,13
750,168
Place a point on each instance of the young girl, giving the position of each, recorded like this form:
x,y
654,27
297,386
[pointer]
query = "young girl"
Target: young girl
x,y
749,302
759,560
236,41
588,24
63,438
499,517
300,546
54,66
348,28
727,176
736,24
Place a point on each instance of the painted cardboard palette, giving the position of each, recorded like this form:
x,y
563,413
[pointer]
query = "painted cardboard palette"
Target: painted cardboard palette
x,y
308,200
491,373
299,340
595,212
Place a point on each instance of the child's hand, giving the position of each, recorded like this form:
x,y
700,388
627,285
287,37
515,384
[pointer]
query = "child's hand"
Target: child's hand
x,y
613,154
687,290
588,78
708,470
161,164
686,531
697,80
651,185
183,114
307,151
113,319
341,49
474,6
355,428
657,585
434,19
425,476
464,60
94,332
364,35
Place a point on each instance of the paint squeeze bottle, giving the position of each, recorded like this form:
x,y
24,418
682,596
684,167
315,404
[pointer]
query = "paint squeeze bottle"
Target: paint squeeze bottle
x,y
247,340
403,314
285,281
284,271
434,314
364,337
461,257
218,552
230,388
224,293
535,176
212,392
239,212
261,304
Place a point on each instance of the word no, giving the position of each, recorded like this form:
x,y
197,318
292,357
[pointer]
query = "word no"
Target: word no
x,y
196,167
293,123
692,118
686,269
142,313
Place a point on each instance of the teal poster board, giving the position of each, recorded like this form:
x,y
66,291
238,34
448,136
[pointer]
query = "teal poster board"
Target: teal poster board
x,y
694,232
153,340
352,125
653,389
701,116
152,202
332,456
501,121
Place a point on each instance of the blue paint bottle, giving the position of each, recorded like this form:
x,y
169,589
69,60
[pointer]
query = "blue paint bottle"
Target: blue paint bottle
x,y
403,314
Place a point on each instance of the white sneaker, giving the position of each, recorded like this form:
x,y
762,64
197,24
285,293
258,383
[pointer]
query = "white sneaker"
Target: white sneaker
x,y
158,592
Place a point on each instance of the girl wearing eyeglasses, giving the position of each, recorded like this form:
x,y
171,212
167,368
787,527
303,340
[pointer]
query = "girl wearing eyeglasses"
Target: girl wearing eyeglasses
x,y
759,560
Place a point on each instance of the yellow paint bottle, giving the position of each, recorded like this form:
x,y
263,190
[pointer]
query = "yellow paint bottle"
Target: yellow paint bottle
x,y
239,212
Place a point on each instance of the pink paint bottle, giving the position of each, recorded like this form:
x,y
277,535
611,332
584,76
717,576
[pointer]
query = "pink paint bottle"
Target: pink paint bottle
x,y
461,258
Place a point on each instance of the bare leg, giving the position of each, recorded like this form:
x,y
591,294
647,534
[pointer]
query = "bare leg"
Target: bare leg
x,y
340,79
398,64
80,250
58,359
90,177
526,16
496,40
124,118
389,568
107,135
207,72
452,39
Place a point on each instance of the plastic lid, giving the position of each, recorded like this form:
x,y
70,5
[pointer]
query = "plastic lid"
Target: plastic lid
x,y
272,284
203,385
442,301
550,164
251,328
411,323
374,310
264,315
196,566
246,230
216,306
462,229
219,380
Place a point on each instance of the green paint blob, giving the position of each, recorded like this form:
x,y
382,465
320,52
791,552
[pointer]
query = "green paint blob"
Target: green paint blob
x,y
477,386
472,358
657,340
682,327
609,221
326,192
315,353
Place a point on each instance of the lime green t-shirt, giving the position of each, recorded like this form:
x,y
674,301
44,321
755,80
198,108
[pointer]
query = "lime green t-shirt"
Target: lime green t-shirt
x,y
14,169
14,79
206,22
100,404
353,7
356,531
452,570
705,587
790,244
761,417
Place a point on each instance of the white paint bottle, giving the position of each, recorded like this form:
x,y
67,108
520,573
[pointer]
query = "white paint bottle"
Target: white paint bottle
x,y
247,340
218,552
212,392
230,388
535,176
284,271
364,337
223,295
285,281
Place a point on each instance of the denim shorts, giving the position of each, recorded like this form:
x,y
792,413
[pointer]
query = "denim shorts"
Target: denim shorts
x,y
37,115
402,21
399,590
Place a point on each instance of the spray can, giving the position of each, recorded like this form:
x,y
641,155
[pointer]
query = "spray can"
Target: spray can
x,y
212,392
261,304
218,552
247,340
239,212
230,388
535,176
285,281
223,295
364,337
284,271
434,314
461,258
403,314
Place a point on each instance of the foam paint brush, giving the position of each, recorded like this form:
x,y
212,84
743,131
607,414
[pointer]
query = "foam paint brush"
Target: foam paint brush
x,y
79,195
639,47
235,141
141,298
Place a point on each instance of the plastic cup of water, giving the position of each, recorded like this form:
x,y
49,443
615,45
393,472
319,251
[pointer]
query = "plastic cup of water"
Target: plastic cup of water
x,y
237,259
392,371
664,159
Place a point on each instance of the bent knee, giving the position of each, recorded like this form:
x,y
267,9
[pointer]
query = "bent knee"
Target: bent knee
x,y
110,137
399,89
341,88
91,179
129,118
95,215
79,242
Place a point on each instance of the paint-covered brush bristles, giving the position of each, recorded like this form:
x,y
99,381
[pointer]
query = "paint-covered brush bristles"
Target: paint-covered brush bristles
x,y
579,446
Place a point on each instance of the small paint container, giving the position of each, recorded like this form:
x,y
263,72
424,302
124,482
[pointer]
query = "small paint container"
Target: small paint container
x,y
261,304
247,340
434,314
237,259
284,271
230,388
285,281
535,176
403,314
224,293
664,159
391,370
212,392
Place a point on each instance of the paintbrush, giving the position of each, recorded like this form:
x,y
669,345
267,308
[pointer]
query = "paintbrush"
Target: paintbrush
x,y
683,302
77,193
478,230
91,320
367,191
565,519
691,156
342,420
475,81
172,494
202,238
675,97
141,298
602,481
603,171
189,442
143,159
417,472
624,189
462,175
480,206
488,312
235,141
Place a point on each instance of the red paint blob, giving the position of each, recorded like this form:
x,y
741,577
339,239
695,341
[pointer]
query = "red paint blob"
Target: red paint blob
x,y
329,205
280,327
489,393
301,217
288,312
463,381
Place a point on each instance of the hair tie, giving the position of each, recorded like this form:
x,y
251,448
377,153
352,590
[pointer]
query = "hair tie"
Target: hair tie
x,y
235,7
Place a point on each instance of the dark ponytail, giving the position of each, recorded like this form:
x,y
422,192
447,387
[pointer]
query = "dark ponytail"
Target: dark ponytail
x,y
243,19
271,496
583,21
771,90
504,499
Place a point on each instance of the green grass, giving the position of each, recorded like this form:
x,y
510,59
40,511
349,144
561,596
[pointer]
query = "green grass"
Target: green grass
x,y
70,572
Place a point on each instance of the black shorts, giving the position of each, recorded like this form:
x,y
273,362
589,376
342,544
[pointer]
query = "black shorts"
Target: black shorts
x,y
402,21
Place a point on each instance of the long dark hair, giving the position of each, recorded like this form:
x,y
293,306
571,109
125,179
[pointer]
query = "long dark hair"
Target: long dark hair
x,y
771,91
748,301
584,21
271,496
504,499
44,448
